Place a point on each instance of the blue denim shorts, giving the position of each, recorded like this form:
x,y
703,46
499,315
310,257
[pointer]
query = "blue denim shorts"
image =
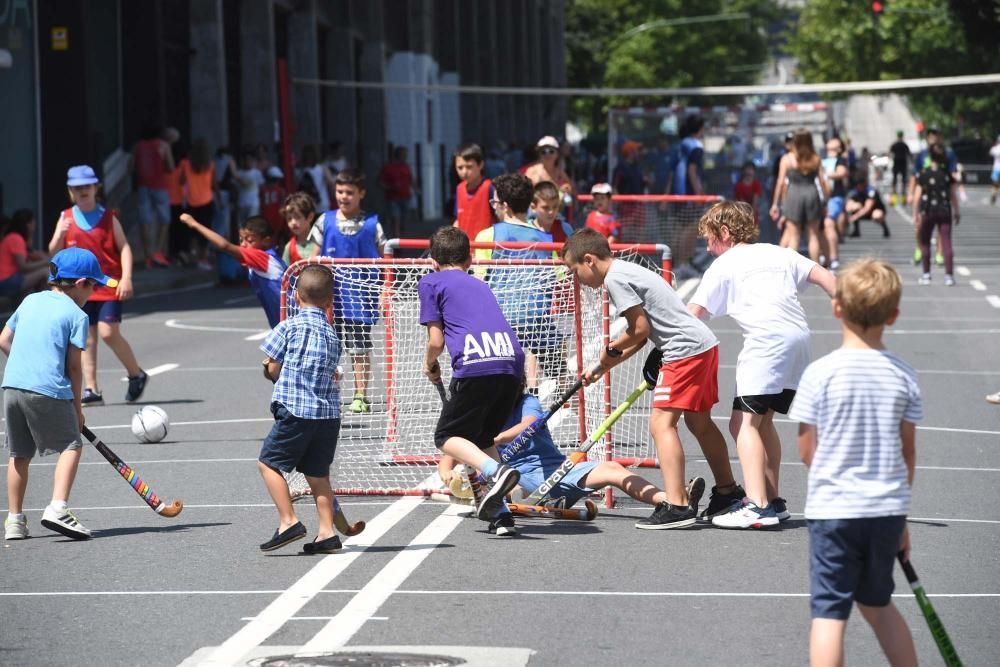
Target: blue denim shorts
x,y
153,205
306,445
834,207
851,560
570,488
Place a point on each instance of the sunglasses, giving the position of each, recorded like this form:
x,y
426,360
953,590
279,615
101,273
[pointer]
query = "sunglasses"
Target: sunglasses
x,y
548,151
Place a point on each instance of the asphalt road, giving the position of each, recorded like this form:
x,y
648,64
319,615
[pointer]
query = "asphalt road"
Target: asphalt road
x,y
195,590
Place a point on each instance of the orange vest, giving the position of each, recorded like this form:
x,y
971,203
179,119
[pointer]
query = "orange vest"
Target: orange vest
x,y
100,240
474,212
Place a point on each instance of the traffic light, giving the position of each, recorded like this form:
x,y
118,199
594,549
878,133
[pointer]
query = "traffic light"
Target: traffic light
x,y
877,9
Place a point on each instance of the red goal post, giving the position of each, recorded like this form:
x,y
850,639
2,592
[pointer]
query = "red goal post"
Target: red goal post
x,y
652,218
390,450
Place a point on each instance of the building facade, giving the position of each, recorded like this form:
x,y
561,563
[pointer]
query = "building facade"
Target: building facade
x,y
86,75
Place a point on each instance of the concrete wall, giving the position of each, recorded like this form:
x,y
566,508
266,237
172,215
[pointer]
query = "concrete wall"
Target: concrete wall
x,y
18,129
209,102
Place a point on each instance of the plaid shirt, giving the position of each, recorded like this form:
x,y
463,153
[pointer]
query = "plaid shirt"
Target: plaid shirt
x,y
308,349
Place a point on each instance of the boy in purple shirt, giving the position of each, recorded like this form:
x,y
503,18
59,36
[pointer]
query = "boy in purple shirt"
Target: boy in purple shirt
x,y
487,363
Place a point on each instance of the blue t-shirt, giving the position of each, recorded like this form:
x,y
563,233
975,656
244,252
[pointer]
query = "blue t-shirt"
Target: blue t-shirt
x,y
44,325
478,337
691,152
539,458
516,287
923,161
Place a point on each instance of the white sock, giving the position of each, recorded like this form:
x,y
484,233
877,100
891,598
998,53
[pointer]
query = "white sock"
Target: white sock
x,y
15,517
58,506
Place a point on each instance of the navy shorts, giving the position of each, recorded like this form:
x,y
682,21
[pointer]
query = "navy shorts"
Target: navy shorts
x,y
761,403
478,409
306,445
103,311
851,560
356,337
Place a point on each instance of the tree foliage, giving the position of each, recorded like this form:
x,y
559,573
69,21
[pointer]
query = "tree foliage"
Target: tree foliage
x,y
602,52
840,40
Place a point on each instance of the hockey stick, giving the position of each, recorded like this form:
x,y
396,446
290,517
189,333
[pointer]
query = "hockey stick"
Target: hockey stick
x,y
518,443
581,452
588,513
132,477
299,489
940,635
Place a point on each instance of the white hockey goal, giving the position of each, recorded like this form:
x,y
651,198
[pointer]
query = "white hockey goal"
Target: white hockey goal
x,y
390,450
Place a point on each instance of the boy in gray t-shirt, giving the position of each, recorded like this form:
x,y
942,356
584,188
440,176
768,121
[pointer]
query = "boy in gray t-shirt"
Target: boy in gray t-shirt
x,y
683,366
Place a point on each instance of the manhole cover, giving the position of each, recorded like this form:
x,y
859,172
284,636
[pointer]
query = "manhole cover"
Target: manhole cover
x,y
364,659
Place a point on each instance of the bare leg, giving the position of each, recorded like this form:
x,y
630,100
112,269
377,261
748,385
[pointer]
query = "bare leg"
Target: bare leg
x,y
663,427
826,642
893,634
750,448
772,451
812,230
17,483
361,363
277,488
614,474
111,334
832,240
89,360
323,495
467,452
713,446
65,474
792,237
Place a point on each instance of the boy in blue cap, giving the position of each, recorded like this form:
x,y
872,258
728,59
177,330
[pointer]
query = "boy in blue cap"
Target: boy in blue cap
x,y
43,384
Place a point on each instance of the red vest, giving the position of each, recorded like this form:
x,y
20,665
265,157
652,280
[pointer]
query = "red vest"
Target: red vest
x,y
149,167
474,211
101,241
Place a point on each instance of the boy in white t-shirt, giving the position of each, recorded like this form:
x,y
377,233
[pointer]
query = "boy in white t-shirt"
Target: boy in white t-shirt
x,y
250,179
757,284
858,408
684,365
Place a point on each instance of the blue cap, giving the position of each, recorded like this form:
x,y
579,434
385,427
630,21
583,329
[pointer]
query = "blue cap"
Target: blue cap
x,y
75,263
81,174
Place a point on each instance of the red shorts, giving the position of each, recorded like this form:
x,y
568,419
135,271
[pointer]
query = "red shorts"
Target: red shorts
x,y
690,384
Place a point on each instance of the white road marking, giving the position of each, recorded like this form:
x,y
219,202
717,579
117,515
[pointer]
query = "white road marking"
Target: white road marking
x,y
994,300
177,324
156,370
312,582
978,285
687,288
963,271
258,336
891,331
379,588
316,618
919,428
920,371
209,506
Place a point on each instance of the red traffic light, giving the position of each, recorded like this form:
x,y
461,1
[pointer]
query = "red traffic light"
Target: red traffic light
x,y
877,8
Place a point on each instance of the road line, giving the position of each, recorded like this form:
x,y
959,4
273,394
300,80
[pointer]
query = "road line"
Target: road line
x,y
970,431
339,630
156,370
204,506
177,324
890,331
305,589
994,300
920,371
240,299
258,336
963,271
316,618
978,285
687,288
178,290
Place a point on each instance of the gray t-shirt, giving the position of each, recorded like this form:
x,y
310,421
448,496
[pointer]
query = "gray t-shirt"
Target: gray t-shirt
x,y
675,331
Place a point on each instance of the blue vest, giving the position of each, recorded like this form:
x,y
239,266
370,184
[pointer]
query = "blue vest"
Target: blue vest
x,y
355,289
268,287
513,285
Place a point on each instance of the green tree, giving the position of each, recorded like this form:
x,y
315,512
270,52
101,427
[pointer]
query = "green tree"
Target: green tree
x,y
840,40
653,43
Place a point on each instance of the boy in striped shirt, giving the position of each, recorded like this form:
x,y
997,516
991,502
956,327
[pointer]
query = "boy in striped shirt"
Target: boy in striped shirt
x,y
858,408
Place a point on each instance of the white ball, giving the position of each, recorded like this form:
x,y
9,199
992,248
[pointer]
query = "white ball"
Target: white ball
x,y
150,424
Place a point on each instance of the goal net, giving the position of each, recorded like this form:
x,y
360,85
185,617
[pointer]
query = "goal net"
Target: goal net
x,y
565,325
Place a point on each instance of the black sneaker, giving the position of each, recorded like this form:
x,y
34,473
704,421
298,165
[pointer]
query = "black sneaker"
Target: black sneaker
x,y
91,397
695,490
780,506
503,525
720,503
136,385
667,516
330,545
504,481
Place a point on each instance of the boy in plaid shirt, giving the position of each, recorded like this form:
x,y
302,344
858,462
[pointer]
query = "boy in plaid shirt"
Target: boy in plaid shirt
x,y
302,355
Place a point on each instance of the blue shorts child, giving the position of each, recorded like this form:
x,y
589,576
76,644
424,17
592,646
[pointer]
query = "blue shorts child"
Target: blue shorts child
x,y
306,445
103,311
834,207
572,487
851,560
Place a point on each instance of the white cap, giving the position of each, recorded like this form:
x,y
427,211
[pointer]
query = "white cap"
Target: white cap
x,y
600,189
548,140
274,172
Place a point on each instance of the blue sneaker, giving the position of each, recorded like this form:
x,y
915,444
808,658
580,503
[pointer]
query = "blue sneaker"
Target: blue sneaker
x,y
747,516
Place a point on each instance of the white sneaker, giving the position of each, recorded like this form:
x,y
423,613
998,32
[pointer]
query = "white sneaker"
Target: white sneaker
x,y
65,524
949,280
747,516
16,529
924,279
